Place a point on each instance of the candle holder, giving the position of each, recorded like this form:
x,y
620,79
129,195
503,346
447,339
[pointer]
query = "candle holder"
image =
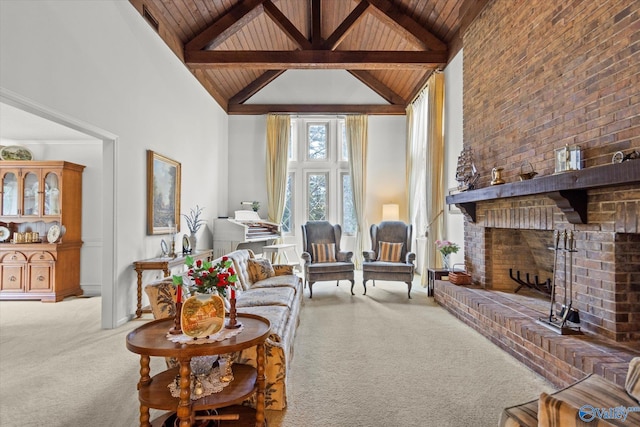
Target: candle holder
x,y
232,323
177,326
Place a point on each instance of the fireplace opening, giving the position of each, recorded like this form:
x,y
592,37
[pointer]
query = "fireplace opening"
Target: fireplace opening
x,y
521,259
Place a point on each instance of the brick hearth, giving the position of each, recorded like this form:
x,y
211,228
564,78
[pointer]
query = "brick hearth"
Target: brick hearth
x,y
509,321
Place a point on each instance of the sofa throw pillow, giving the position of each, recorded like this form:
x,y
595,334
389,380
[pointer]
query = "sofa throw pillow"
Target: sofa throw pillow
x,y
632,384
323,252
389,252
259,269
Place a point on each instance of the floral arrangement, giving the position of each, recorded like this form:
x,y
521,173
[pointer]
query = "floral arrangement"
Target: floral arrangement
x,y
207,278
194,222
446,247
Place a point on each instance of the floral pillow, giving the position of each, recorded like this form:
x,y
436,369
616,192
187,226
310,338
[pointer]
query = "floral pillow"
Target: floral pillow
x,y
259,269
389,252
323,252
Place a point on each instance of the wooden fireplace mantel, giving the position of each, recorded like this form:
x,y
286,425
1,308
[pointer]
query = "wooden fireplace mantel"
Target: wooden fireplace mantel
x,y
567,189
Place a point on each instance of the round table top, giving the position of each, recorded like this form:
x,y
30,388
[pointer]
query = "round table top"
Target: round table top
x,y
151,339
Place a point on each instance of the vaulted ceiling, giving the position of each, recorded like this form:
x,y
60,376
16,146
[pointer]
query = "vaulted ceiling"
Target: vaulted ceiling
x,y
235,48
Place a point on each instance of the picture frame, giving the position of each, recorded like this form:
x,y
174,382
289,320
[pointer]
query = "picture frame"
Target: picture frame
x,y
163,194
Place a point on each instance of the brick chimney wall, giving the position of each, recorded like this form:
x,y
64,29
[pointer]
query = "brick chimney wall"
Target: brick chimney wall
x,y
539,75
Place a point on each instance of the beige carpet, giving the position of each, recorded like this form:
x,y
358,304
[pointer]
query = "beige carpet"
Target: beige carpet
x,y
375,360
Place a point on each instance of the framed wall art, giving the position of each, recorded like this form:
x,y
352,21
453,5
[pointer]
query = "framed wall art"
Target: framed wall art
x,y
163,194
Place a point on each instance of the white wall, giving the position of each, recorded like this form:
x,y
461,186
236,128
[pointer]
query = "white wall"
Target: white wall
x,y
100,64
454,222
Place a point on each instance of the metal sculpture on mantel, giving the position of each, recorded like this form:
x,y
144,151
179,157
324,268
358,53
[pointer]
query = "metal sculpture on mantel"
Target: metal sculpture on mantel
x,y
466,172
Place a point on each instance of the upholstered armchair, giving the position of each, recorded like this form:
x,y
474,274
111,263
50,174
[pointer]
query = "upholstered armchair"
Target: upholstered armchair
x,y
390,257
323,259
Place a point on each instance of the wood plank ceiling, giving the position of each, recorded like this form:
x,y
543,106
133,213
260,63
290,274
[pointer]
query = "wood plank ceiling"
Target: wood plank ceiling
x,y
237,47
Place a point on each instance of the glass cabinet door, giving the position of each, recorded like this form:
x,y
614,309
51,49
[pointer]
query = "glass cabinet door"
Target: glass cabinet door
x,y
9,194
51,194
31,192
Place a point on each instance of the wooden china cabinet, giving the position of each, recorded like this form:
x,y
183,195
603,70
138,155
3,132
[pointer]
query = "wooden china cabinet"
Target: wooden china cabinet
x,y
43,197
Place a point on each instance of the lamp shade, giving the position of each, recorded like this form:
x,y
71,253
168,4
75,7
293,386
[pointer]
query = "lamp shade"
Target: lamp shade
x,y
390,212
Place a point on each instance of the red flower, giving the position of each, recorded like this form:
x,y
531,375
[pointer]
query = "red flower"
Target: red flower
x,y
225,258
211,270
231,271
199,263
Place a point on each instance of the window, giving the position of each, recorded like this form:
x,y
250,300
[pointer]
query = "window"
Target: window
x,y
319,184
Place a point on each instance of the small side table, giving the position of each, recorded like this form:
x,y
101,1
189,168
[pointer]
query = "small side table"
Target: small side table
x,y
165,264
282,248
434,274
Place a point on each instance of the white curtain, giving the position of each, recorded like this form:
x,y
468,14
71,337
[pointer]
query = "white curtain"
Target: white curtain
x,y
425,167
356,130
278,134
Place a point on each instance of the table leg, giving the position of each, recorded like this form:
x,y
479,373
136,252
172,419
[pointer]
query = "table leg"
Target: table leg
x,y
260,420
144,379
139,308
184,406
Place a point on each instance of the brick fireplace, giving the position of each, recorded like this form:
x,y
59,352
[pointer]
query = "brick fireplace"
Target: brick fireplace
x,y
518,232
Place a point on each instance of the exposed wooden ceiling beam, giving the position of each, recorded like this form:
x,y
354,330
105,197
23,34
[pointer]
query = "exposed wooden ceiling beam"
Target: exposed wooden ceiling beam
x,y
390,12
286,25
346,26
255,86
317,109
316,59
378,87
232,21
316,24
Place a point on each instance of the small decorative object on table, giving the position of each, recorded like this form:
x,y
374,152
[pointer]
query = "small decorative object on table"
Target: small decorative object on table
x,y
194,222
208,278
177,328
447,248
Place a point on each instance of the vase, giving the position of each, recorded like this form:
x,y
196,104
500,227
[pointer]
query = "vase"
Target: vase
x,y
446,262
193,241
202,315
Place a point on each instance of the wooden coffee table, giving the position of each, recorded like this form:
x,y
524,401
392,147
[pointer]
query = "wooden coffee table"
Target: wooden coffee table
x,y
150,340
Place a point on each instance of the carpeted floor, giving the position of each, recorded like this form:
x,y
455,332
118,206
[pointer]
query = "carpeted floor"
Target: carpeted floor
x,y
374,360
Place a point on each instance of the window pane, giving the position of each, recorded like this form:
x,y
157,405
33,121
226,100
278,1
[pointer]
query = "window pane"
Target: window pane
x,y
349,224
287,216
317,195
343,139
292,141
317,141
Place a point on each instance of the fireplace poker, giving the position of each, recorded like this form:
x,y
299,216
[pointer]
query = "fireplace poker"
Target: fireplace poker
x,y
563,309
556,236
571,313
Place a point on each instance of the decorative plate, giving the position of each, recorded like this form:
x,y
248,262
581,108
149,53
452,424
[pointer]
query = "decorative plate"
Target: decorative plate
x,y
53,234
15,152
202,315
4,234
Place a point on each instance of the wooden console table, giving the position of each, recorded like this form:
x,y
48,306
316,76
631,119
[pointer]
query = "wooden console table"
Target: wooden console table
x,y
434,274
150,339
165,264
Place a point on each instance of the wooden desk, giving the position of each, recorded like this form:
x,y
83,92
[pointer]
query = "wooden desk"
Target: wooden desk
x,y
150,340
434,274
165,264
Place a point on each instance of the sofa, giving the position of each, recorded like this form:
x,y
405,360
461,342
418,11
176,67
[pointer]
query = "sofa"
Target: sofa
x,y
271,291
592,401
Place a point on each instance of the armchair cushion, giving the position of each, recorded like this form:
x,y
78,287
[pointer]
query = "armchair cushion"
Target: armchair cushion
x,y
324,252
390,252
259,269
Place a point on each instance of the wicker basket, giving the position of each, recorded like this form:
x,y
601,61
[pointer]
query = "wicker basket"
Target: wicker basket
x,y
459,277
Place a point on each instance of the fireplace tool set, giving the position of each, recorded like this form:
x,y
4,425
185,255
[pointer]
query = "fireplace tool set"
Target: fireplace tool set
x,y
566,321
